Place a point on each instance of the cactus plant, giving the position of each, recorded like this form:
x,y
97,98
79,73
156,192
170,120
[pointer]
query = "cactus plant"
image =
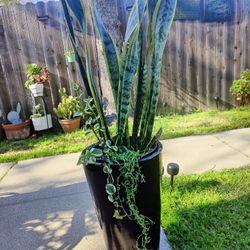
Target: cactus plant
x,y
14,116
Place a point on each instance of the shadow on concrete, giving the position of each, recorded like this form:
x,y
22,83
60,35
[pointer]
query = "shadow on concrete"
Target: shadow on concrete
x,y
51,218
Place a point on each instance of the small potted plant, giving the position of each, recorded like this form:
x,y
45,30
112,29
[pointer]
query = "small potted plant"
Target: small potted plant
x,y
241,88
36,77
70,56
40,120
16,128
69,112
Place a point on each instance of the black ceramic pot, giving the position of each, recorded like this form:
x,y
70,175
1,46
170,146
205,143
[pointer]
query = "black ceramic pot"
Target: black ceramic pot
x,y
123,234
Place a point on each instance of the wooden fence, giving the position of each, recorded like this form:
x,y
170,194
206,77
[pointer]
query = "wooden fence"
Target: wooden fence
x,y
201,59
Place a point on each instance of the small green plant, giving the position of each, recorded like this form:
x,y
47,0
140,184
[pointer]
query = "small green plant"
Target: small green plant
x,y
37,112
241,88
36,74
68,52
69,107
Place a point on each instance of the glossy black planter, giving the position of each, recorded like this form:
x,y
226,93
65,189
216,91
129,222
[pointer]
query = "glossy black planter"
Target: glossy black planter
x,y
122,234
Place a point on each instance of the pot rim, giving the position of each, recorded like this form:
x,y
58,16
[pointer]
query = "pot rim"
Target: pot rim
x,y
10,126
157,150
75,118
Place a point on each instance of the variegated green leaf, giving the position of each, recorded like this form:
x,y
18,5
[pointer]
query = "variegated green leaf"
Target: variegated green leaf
x,y
130,69
162,19
136,14
110,53
73,42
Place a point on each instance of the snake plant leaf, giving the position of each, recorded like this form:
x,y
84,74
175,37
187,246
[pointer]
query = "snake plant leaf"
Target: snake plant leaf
x,y
95,95
131,66
110,53
77,8
151,7
162,20
73,42
136,14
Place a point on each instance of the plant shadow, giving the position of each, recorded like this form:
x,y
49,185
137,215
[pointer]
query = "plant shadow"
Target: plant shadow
x,y
51,218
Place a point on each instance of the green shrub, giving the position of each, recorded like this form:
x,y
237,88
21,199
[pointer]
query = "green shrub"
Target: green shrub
x,y
69,107
241,88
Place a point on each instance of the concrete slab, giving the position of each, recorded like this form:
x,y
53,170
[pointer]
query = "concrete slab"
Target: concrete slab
x,y
239,140
4,168
45,204
196,154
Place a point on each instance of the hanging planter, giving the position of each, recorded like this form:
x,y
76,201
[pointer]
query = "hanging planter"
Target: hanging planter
x,y
70,56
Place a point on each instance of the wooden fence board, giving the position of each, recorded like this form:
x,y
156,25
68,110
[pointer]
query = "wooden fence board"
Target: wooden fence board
x,y
201,59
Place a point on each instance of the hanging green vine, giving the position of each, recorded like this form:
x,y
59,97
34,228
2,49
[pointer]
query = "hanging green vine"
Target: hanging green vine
x,y
128,180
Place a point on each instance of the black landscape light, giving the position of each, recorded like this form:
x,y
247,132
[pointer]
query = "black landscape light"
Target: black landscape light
x,y
172,170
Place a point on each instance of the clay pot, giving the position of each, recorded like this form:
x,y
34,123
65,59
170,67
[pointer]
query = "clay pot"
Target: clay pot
x,y
16,132
71,125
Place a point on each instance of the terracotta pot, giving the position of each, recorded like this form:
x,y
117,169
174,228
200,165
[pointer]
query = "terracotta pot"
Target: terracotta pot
x,y
1,133
71,125
16,132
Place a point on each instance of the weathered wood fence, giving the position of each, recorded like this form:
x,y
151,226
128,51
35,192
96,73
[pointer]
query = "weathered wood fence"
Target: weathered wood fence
x,y
201,59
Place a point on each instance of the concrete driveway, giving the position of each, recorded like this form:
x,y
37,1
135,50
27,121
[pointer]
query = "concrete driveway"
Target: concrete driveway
x,y
45,203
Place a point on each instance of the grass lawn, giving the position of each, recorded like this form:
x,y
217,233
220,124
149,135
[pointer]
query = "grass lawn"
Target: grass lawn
x,y
173,126
208,211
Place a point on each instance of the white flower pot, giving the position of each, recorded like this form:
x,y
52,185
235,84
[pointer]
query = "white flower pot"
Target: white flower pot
x,y
42,123
36,89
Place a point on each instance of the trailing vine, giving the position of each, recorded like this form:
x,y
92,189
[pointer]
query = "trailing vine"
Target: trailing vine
x,y
128,180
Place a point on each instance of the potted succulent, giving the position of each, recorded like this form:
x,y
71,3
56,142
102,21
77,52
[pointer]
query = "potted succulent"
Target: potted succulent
x,y
16,129
124,169
68,112
241,88
70,56
40,120
36,77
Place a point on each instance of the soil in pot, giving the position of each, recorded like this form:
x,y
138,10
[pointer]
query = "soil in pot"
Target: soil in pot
x,y
70,126
123,234
16,132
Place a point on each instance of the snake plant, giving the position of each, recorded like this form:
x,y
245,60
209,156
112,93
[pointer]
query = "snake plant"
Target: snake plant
x,y
137,65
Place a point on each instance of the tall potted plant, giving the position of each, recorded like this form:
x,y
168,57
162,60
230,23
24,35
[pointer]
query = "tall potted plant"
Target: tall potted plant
x,y
69,112
124,170
36,77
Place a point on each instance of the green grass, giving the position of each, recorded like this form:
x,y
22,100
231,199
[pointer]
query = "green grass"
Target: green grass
x,y
208,211
173,126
